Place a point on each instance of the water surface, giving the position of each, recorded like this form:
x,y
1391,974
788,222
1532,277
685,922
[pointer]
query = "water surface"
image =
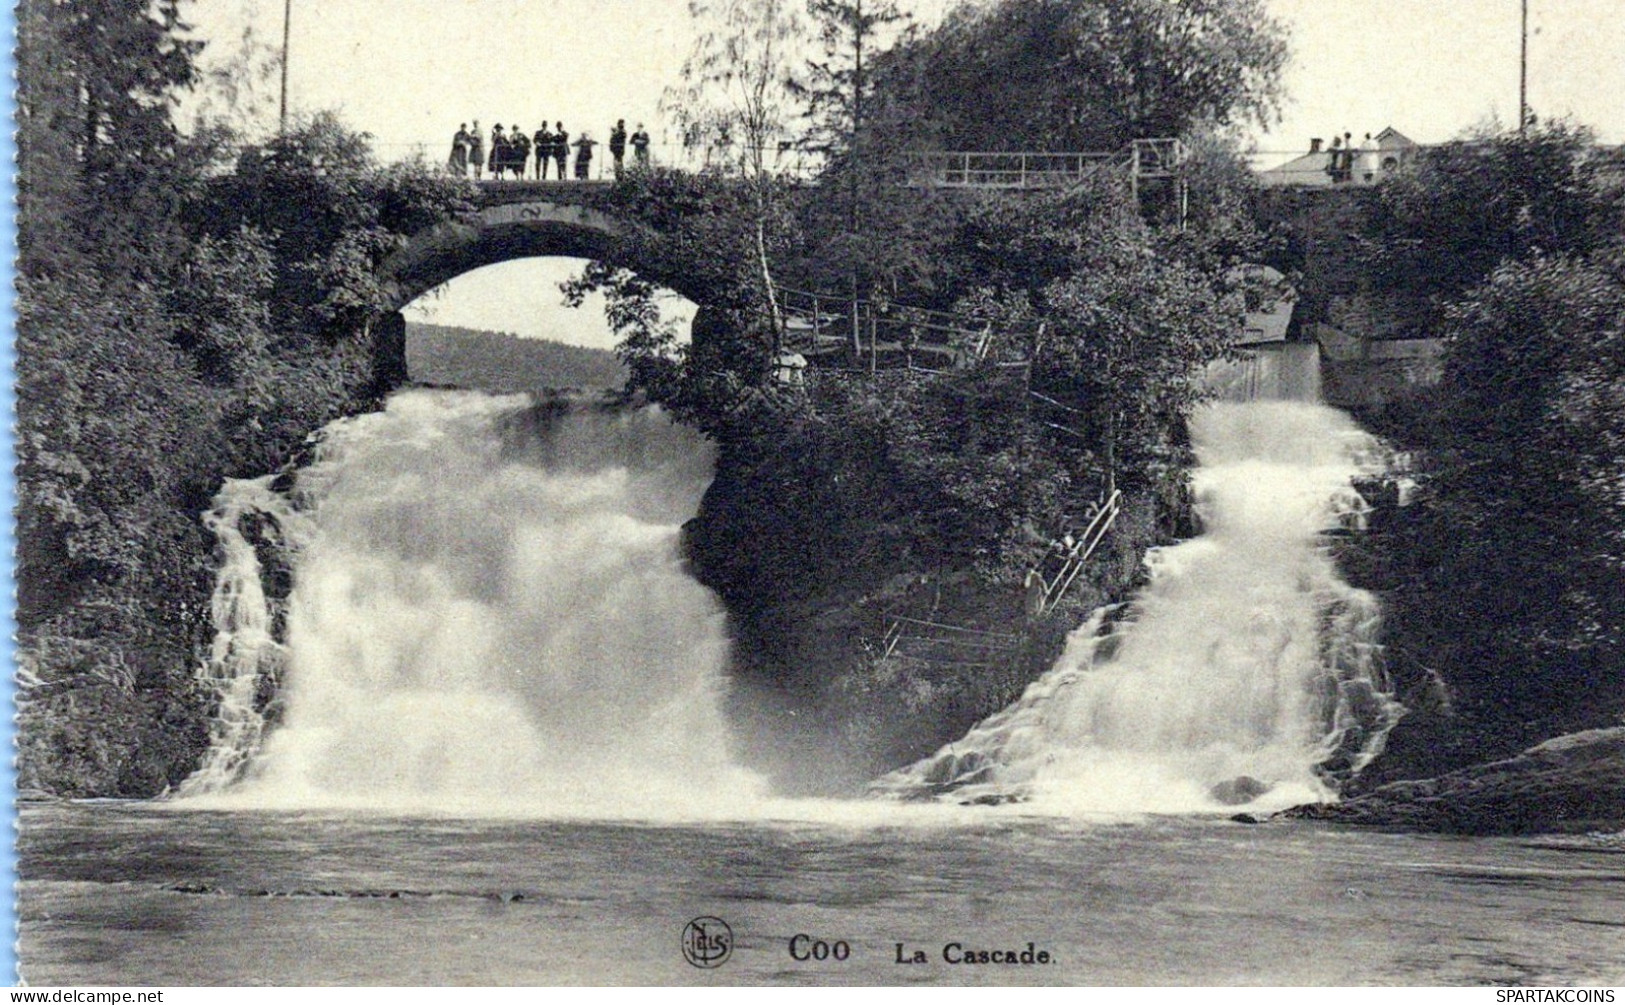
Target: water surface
x,y
131,893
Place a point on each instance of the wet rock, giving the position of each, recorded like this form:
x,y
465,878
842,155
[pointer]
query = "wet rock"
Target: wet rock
x,y
1569,784
1238,790
1249,818
994,799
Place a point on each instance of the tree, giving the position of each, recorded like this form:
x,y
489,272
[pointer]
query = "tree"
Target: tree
x,y
735,101
1096,74
648,343
1520,590
870,232
838,88
1125,342
96,83
1467,206
1219,230
1125,328
1505,573
117,68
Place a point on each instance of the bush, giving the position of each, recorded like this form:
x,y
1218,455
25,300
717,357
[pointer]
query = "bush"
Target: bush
x,y
137,397
1504,580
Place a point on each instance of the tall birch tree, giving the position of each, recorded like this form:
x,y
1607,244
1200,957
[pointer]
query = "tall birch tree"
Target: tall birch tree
x,y
736,103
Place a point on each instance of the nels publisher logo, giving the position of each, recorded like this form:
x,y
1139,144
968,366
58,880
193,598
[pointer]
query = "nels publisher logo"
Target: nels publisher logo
x,y
707,942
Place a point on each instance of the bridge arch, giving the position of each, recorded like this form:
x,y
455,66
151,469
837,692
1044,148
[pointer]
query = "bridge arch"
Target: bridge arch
x,y
535,228
501,231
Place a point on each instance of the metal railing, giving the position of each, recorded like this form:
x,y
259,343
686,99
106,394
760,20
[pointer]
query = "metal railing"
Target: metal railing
x,y
1019,170
784,160
945,645
820,324
1157,158
1015,170
956,645
1068,556
1142,159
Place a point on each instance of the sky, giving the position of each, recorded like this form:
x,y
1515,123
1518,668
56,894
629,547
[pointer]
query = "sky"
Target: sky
x,y
409,71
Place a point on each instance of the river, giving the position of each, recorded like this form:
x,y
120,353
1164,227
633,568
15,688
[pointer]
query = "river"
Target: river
x,y
131,893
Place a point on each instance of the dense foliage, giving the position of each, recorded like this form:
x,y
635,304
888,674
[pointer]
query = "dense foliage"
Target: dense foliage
x,y
1468,205
1092,74
96,82
185,315
1505,578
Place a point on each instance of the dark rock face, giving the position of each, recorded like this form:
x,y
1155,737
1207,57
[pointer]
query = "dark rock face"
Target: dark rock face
x,y
1572,783
389,370
814,540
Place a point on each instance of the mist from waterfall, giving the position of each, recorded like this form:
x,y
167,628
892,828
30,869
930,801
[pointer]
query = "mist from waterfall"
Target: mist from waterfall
x,y
1246,672
489,611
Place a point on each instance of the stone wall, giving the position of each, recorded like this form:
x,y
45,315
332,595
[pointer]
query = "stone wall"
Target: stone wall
x,y
1374,347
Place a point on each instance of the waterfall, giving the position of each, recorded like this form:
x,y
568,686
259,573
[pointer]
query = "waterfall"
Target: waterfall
x,y
489,611
1246,671
246,659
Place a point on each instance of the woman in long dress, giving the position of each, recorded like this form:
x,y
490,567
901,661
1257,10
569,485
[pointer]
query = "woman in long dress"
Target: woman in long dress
x,y
1367,163
457,163
519,152
499,152
476,150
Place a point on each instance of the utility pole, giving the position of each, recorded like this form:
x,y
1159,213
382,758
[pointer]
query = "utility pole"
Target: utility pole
x,y
1523,71
282,114
853,170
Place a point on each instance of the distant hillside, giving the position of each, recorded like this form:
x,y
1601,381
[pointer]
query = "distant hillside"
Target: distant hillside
x,y
493,361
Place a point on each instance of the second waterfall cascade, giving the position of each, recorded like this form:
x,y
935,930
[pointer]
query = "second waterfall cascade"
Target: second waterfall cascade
x,y
1246,672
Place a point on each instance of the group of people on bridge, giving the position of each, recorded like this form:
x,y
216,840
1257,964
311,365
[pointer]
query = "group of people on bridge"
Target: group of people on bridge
x,y
510,150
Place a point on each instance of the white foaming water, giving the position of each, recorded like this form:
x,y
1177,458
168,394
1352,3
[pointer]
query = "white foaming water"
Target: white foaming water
x,y
490,613
1245,673
245,656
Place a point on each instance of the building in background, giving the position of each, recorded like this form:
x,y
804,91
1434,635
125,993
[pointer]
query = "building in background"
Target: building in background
x,y
1394,150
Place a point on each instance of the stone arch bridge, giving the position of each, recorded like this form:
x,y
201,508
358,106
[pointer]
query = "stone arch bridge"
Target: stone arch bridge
x,y
527,219
511,220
